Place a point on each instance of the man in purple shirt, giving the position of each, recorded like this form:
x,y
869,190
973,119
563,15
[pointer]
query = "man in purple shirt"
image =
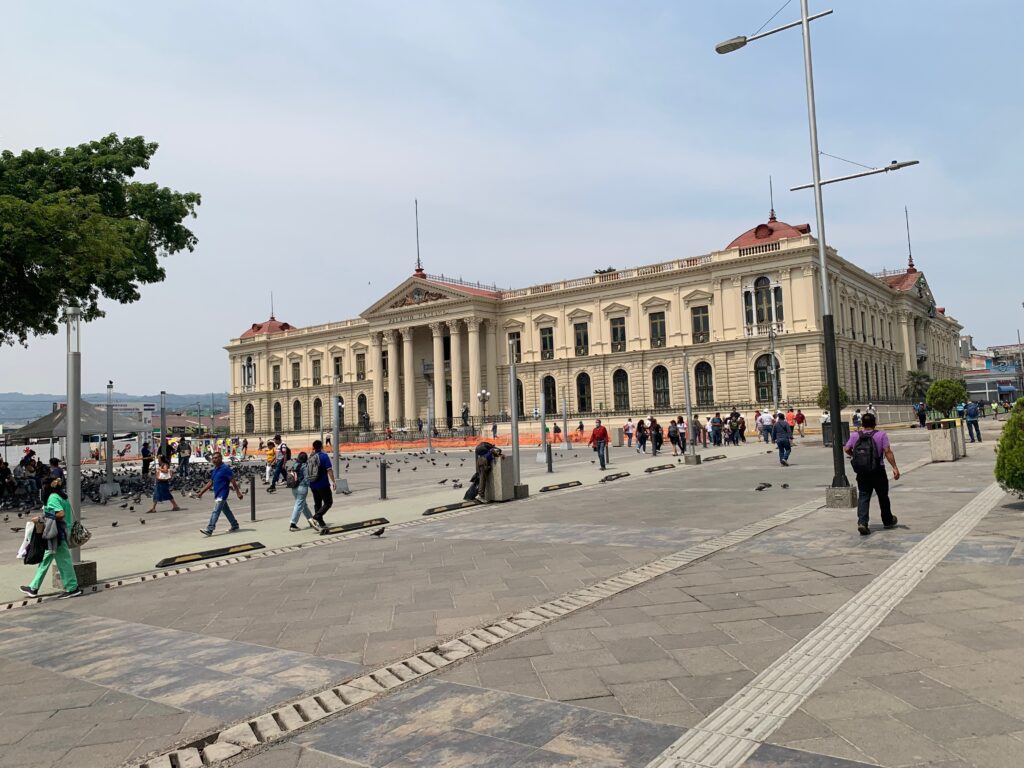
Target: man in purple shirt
x,y
866,449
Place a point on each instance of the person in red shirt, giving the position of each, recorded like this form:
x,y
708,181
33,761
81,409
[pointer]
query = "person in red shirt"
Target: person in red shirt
x,y
800,419
599,439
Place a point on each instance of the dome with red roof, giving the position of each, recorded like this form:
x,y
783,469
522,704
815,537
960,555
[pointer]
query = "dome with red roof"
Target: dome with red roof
x,y
769,232
273,325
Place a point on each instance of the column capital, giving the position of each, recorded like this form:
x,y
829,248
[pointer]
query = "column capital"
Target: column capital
x,y
437,329
389,336
453,325
406,332
473,324
375,338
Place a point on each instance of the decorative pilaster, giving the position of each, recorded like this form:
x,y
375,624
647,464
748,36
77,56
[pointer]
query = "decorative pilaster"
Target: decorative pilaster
x,y
473,328
377,412
458,396
394,390
409,376
440,411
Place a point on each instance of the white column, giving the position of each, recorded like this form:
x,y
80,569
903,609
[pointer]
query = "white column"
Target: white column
x,y
377,412
458,396
394,391
492,362
440,412
409,376
473,326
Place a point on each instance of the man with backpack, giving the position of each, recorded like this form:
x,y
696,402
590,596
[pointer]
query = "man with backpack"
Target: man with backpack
x,y
971,414
866,450
320,475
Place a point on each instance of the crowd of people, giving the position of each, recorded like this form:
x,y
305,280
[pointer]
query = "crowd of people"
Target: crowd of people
x,y
29,476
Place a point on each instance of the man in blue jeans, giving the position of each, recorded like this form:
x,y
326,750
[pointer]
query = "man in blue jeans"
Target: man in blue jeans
x,y
782,434
222,480
280,459
599,439
971,415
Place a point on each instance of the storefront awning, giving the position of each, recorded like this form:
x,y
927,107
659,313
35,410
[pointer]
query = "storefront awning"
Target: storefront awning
x,y
1006,388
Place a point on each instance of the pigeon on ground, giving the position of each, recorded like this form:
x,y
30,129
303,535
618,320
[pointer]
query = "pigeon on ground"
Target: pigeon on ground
x,y
142,520
785,485
124,506
131,509
442,482
114,524
414,469
378,533
17,530
762,486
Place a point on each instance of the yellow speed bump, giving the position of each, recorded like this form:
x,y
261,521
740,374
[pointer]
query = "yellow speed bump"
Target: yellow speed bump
x,y
206,554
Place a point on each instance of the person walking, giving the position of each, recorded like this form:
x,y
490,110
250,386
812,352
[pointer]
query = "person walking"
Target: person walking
x,y
147,458
800,420
681,424
627,430
641,436
281,457
271,455
972,413
222,480
866,450
321,483
716,429
599,439
300,491
184,454
673,436
782,434
656,435
857,418
58,515
245,447
734,428
765,422
162,489
922,414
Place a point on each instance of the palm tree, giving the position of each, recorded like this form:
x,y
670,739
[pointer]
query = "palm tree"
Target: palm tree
x,y
916,385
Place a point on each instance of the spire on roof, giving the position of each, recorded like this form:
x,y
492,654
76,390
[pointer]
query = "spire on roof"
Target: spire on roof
x,y
419,265
910,254
771,200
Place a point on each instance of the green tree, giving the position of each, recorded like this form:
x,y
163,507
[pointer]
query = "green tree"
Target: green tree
x,y
844,399
944,394
1010,452
74,227
915,386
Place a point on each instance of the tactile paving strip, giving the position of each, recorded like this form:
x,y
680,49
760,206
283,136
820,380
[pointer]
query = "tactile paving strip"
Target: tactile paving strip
x,y
286,719
730,734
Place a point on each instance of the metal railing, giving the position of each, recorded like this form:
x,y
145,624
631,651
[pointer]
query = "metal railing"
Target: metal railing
x,y
762,329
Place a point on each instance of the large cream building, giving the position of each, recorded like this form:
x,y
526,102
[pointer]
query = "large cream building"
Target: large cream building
x,y
611,342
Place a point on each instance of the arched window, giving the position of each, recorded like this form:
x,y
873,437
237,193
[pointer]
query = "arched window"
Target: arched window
x,y
878,389
296,416
856,381
318,414
361,406
520,405
766,370
705,384
550,395
583,401
763,303
620,390
250,419
659,384
277,417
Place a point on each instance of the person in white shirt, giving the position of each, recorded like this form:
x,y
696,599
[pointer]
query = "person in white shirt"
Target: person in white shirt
x,y
765,423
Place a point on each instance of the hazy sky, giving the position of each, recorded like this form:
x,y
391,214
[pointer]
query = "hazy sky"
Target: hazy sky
x,y
543,140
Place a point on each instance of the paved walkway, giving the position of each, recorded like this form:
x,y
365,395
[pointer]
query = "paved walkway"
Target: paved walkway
x,y
652,620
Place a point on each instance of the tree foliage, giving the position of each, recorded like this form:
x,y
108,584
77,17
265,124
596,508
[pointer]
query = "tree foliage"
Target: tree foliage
x,y
944,394
916,385
1010,452
844,399
75,227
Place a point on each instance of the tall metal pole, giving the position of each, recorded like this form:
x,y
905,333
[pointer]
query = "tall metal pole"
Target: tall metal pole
x,y
110,432
213,423
430,415
689,409
1020,358
163,423
565,418
335,424
513,400
828,327
73,419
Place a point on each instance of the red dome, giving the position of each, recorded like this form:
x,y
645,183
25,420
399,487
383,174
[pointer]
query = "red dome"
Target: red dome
x,y
273,325
769,232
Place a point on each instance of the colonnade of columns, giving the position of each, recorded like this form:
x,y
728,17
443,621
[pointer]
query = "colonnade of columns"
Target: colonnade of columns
x,y
402,395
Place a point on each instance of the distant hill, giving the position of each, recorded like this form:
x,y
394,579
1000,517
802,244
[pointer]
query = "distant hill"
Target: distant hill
x,y
17,408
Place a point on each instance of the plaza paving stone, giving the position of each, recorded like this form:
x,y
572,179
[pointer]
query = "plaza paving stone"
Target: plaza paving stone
x,y
610,685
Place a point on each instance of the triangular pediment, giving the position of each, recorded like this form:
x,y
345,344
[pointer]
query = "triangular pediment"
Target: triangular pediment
x,y
420,291
615,308
656,303
545,320
580,314
697,296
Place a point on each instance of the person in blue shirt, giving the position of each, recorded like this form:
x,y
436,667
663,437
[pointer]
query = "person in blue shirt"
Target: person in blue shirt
x,y
972,413
222,480
321,483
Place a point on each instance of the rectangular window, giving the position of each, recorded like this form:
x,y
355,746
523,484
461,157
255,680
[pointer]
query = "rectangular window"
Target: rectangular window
x,y
701,325
863,328
618,334
582,337
515,346
384,363
874,336
657,329
296,380
337,368
890,335
853,324
361,366
316,373
547,343
275,376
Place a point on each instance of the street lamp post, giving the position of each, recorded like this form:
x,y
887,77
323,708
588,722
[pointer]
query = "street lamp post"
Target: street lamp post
x,y
775,368
691,457
109,488
163,424
483,396
73,419
513,400
839,494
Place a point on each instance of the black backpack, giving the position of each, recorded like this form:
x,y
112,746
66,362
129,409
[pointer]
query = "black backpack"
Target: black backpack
x,y
865,454
314,467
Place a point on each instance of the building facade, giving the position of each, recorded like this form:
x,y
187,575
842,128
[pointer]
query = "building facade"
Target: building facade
x,y
621,341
